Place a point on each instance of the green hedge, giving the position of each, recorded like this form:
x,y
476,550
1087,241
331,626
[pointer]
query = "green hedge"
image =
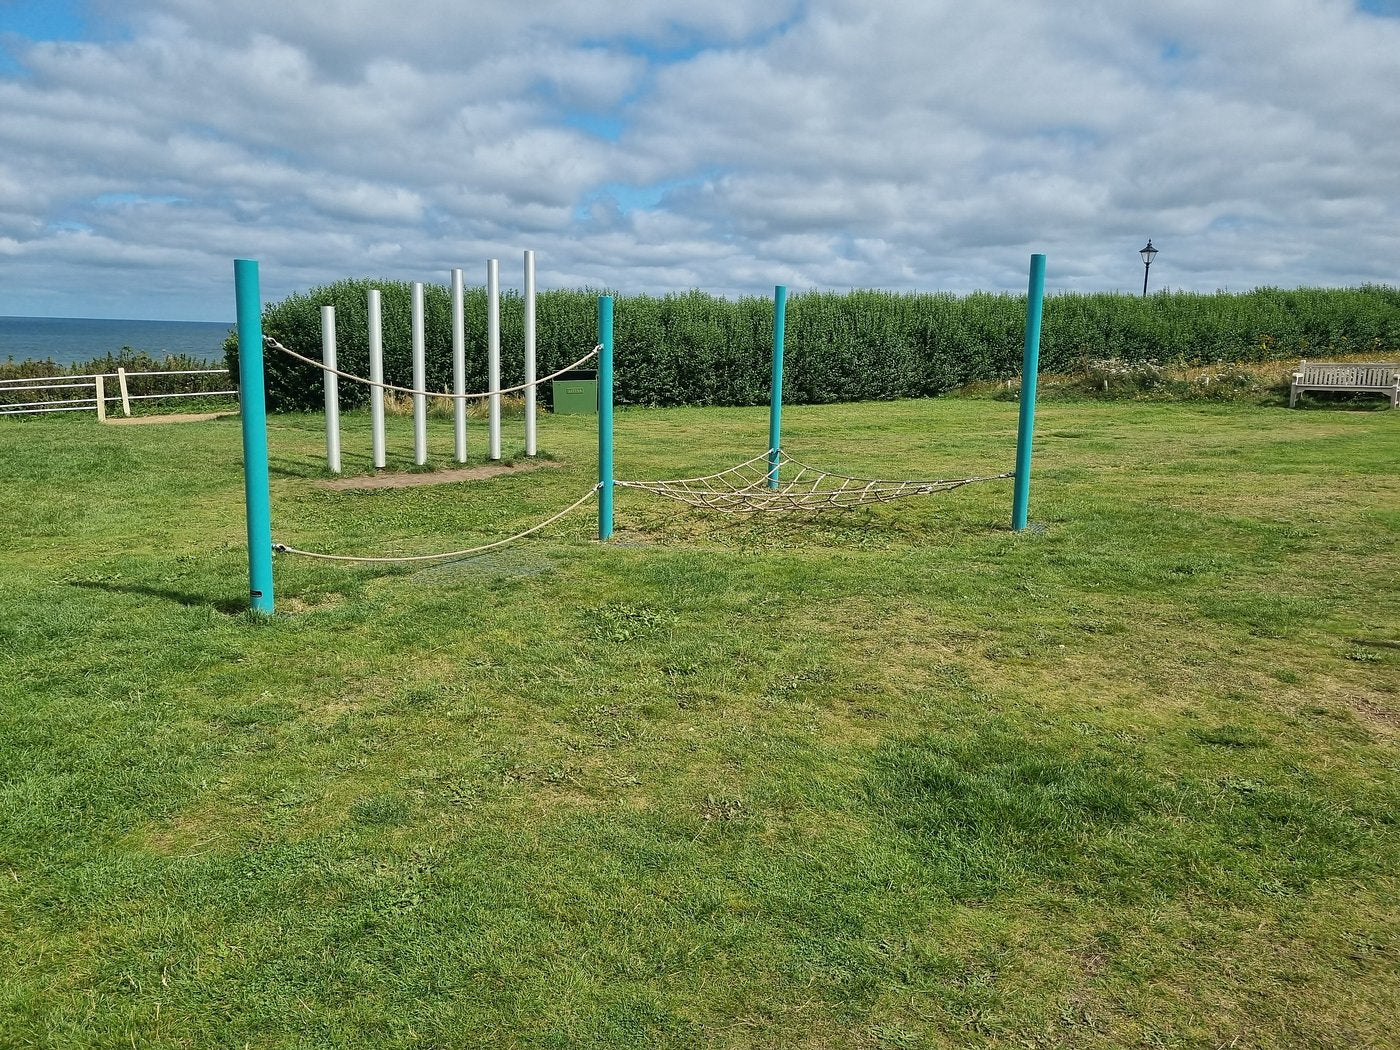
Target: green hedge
x,y
693,348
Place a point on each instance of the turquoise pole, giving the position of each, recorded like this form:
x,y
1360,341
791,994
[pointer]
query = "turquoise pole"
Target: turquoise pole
x,y
252,412
605,417
1030,369
775,409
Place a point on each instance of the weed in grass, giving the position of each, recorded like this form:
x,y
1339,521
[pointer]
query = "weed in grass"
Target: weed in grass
x,y
401,405
622,622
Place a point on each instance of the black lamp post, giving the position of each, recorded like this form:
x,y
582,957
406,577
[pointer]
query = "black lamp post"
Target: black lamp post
x,y
1148,254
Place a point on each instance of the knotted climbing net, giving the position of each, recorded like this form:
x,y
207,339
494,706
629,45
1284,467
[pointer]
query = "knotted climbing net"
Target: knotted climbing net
x,y
746,488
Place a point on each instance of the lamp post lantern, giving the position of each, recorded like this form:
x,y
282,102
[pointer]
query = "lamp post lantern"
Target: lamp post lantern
x,y
1148,254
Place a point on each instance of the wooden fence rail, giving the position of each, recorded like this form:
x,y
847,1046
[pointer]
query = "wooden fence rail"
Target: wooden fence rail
x,y
97,383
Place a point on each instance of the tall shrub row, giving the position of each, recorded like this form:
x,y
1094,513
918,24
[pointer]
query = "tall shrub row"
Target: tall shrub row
x,y
693,348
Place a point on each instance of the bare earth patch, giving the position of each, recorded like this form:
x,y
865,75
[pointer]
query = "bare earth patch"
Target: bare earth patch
x,y
437,477
178,417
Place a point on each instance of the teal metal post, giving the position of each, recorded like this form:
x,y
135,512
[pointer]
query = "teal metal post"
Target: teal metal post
x,y
775,408
252,412
1030,368
605,417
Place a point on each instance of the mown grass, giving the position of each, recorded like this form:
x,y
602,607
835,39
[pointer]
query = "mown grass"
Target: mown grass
x,y
895,778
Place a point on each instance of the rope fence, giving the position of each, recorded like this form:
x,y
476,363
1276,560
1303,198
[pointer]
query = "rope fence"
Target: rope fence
x,y
282,548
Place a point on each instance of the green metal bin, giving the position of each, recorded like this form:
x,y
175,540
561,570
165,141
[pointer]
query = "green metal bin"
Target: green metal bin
x,y
576,393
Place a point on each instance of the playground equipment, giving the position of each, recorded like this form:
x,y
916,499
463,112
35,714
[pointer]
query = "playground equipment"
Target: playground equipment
x,y
753,485
417,391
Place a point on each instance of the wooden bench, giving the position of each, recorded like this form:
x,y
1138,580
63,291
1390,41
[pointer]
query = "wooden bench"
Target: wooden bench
x,y
1374,377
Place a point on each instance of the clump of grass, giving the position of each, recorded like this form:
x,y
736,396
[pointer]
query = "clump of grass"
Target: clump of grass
x,y
399,404
1220,381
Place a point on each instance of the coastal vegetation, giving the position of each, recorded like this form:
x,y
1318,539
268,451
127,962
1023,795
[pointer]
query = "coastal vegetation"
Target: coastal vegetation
x,y
696,349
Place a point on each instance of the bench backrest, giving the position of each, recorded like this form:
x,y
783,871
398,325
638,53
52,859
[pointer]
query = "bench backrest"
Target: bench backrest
x,y
1365,373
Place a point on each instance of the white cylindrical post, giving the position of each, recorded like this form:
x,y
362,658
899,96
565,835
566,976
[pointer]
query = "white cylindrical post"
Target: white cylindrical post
x,y
420,379
332,384
99,383
459,367
376,375
126,397
530,447
493,355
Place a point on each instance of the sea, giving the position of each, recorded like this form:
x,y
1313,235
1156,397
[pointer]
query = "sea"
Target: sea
x,y
69,340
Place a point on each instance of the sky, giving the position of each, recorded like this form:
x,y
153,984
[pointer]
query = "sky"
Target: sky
x,y
664,145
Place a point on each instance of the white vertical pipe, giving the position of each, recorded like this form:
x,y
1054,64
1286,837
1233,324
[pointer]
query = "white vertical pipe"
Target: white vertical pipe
x,y
332,384
493,354
530,448
420,380
376,375
459,366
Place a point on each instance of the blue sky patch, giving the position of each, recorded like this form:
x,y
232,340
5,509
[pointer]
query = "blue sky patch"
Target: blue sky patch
x,y
43,19
32,21
631,199
109,200
599,126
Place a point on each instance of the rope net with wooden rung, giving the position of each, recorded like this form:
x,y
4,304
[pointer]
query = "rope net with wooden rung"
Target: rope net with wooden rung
x,y
744,488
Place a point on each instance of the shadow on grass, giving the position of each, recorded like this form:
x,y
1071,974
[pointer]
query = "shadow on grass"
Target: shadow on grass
x,y
1340,401
309,467
227,606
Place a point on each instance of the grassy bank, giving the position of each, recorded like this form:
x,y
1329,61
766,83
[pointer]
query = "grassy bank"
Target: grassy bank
x,y
895,778
1259,383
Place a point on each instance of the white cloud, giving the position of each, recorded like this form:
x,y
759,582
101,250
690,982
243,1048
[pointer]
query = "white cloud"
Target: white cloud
x,y
730,146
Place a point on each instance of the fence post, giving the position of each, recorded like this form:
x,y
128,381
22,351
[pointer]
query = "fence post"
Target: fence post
x,y
252,403
100,391
605,417
331,381
126,398
1030,368
775,407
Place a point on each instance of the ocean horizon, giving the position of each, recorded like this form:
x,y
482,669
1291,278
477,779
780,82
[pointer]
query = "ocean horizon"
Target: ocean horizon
x,y
70,340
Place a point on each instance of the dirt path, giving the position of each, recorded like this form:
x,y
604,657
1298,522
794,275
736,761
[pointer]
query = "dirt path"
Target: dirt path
x,y
437,477
178,417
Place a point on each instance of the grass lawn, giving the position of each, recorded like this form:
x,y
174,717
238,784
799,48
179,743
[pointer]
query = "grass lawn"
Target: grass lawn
x,y
893,778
